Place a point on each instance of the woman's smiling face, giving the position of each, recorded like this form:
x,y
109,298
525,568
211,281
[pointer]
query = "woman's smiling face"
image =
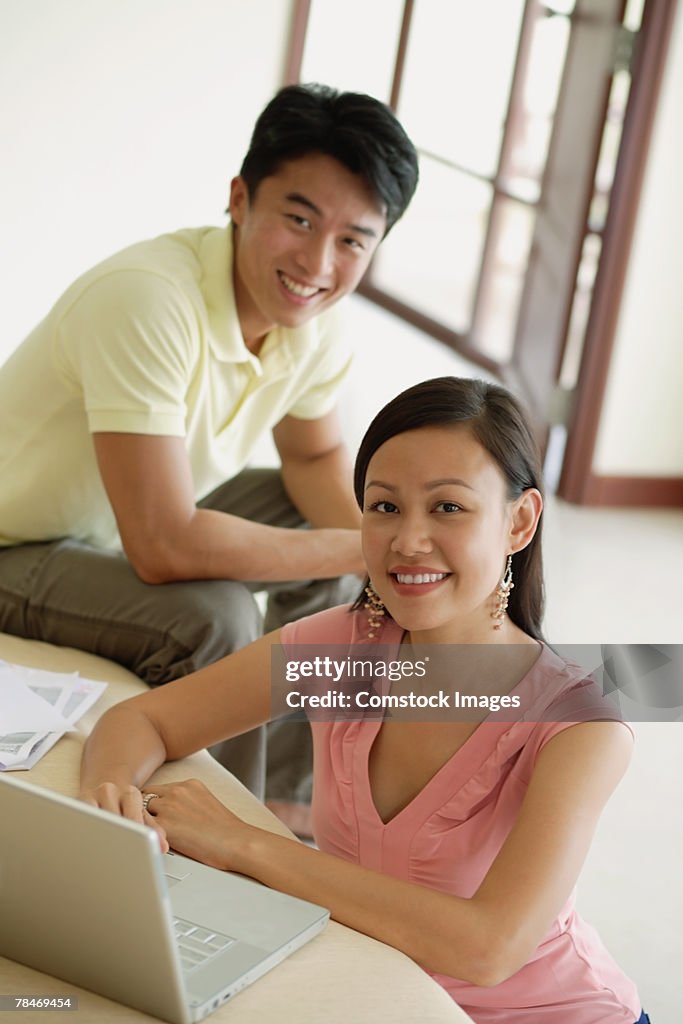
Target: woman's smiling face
x,y
437,529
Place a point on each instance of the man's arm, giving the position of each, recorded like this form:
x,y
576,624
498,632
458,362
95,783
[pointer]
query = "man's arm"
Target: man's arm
x,y
316,470
149,483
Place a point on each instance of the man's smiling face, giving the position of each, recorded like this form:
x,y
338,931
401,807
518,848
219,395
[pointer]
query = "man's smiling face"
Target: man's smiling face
x,y
301,243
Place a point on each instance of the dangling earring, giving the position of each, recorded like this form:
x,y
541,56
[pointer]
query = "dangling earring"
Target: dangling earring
x,y
375,610
503,595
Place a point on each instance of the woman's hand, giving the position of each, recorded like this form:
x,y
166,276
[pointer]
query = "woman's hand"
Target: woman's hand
x,y
127,802
198,825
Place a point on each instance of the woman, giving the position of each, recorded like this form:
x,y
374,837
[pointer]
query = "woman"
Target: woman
x,y
457,841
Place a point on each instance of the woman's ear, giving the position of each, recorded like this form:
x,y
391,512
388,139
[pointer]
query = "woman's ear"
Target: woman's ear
x,y
526,512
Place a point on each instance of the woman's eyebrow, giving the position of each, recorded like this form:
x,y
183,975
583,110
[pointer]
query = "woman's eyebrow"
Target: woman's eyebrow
x,y
379,483
456,481
430,486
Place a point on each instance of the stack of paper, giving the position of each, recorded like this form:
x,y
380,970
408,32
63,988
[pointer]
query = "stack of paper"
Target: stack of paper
x,y
36,708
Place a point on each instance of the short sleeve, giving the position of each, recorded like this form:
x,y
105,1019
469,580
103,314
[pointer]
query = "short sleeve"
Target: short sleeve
x,y
128,343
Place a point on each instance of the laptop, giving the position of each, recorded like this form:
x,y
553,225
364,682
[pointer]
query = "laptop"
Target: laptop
x,y
89,897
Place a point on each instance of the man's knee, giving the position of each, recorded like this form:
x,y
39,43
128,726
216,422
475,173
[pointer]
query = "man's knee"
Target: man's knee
x,y
203,621
74,595
20,566
289,602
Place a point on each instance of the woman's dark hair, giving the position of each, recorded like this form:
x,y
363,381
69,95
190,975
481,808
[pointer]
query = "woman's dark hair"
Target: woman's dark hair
x,y
357,130
499,424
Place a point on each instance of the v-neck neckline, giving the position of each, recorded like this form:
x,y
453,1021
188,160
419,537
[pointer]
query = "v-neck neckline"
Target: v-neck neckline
x,y
479,745
430,796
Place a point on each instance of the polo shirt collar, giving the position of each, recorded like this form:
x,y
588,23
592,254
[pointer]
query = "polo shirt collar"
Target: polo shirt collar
x,y
282,347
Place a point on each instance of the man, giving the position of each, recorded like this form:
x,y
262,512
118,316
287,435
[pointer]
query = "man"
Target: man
x,y
128,415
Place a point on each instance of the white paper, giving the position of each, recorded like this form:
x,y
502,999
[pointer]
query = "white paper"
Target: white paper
x,y
22,710
61,700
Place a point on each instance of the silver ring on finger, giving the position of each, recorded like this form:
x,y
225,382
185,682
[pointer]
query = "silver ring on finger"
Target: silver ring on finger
x,y
147,798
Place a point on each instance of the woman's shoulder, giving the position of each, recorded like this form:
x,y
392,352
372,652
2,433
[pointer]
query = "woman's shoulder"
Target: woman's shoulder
x,y
340,625
557,694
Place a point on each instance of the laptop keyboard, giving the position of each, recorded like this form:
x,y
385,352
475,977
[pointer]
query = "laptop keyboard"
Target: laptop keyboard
x,y
198,945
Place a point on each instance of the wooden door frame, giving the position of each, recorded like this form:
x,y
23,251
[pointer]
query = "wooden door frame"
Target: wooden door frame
x,y
578,482
567,190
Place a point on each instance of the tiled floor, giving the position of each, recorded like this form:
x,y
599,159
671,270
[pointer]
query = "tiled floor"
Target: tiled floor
x,y
613,576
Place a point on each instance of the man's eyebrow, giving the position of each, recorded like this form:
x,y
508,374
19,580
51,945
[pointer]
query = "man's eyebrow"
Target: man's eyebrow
x,y
297,197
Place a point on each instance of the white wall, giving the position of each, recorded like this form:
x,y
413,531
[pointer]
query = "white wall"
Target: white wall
x,y
120,120
641,429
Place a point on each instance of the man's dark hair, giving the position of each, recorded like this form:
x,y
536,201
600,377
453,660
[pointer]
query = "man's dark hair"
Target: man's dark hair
x,y
357,130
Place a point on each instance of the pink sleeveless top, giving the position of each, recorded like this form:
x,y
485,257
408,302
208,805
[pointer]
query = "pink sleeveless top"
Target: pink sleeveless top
x,y
448,836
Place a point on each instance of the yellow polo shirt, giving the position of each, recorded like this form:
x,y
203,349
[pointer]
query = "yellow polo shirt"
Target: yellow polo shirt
x,y
148,342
